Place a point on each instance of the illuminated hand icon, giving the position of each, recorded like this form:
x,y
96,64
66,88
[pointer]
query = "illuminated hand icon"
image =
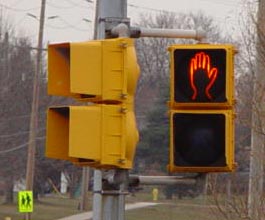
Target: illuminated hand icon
x,y
201,61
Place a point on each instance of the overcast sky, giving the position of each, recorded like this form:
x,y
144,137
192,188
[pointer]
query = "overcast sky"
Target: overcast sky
x,y
74,21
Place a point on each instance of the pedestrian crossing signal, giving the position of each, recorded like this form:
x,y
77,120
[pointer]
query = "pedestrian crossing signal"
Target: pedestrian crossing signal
x,y
202,75
201,108
25,201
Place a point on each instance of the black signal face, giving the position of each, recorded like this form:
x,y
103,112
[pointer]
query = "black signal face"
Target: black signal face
x,y
199,139
200,75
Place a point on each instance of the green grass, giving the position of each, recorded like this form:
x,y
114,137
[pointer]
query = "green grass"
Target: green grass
x,y
170,212
199,208
54,207
49,208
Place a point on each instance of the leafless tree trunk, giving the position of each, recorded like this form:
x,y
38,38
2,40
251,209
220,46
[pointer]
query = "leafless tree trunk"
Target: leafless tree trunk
x,y
258,122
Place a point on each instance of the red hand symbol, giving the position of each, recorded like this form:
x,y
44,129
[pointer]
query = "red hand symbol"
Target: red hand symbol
x,y
202,61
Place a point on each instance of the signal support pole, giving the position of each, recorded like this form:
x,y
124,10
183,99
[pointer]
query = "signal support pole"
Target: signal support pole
x,y
109,204
136,32
111,21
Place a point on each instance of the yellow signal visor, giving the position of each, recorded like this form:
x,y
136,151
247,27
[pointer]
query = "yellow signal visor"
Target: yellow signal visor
x,y
201,141
101,136
100,70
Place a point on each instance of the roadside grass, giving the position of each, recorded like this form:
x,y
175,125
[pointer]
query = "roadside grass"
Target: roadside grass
x,y
47,208
54,207
198,208
147,197
171,211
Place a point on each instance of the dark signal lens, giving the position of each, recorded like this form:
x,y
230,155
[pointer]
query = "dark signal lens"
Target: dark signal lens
x,y
199,139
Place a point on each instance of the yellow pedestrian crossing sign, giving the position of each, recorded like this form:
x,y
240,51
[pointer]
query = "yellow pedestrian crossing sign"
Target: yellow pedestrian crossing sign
x,y
25,201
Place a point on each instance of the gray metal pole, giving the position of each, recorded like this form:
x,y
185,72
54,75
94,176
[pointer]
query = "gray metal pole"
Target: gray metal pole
x,y
84,189
121,30
162,180
106,203
97,197
172,33
109,9
121,199
109,208
113,198
97,183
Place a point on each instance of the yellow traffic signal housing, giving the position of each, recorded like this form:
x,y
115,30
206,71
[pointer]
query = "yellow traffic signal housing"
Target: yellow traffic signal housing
x,y
97,71
201,141
202,75
100,136
201,108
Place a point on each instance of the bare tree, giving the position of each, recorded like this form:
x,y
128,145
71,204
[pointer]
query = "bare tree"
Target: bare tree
x,y
246,200
153,56
16,74
255,199
153,84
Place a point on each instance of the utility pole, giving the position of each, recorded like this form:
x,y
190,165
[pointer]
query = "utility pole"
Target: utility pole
x,y
109,205
258,123
5,73
34,107
111,20
84,189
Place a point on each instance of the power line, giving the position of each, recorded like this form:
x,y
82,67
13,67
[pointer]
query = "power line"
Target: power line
x,y
164,10
221,2
19,146
67,7
16,3
18,9
18,133
14,149
61,7
14,134
221,19
210,1
19,116
68,26
147,8
74,3
20,21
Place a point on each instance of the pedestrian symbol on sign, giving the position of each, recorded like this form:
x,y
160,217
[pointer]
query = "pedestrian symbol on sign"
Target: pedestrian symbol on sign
x,y
25,201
